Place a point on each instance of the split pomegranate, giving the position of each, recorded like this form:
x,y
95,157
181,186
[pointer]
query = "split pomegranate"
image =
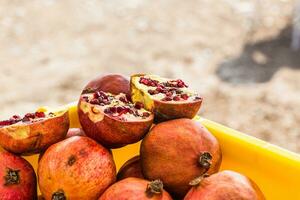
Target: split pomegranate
x,y
227,185
136,189
33,132
75,168
167,98
18,180
131,168
113,120
178,151
112,83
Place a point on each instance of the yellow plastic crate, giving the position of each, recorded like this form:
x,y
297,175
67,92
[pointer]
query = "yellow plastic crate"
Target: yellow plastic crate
x,y
274,169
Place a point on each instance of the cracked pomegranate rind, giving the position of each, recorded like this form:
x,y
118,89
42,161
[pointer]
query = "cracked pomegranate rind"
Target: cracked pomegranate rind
x,y
113,120
167,98
33,132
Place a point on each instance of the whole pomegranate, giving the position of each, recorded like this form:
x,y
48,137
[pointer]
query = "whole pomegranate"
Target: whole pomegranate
x,y
34,132
131,168
136,189
178,151
113,120
18,180
167,98
75,168
112,83
227,185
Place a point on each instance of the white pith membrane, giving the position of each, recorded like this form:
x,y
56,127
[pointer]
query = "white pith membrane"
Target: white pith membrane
x,y
28,118
111,107
168,85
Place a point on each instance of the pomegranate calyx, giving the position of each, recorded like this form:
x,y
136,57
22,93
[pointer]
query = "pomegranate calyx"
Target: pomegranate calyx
x,y
155,187
59,195
12,177
205,160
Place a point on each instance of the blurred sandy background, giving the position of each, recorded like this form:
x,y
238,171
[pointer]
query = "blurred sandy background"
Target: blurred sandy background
x,y
236,53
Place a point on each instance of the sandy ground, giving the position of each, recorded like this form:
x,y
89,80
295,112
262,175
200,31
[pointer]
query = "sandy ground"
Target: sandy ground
x,y
236,53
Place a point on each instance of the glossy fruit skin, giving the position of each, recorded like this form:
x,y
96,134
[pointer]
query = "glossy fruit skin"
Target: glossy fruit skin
x,y
26,188
171,150
111,132
39,135
78,167
227,185
131,168
112,83
75,132
165,110
132,189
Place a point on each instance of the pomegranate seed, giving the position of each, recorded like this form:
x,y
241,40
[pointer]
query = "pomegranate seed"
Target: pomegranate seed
x,y
167,99
152,92
40,114
86,98
159,89
110,110
146,114
113,109
198,98
138,105
123,99
169,94
16,117
176,98
94,101
120,109
178,91
5,122
184,96
30,115
25,119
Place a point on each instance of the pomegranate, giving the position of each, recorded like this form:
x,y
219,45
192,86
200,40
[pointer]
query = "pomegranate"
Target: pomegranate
x,y
167,98
75,132
33,132
227,185
112,120
136,189
75,168
178,151
131,168
112,83
18,180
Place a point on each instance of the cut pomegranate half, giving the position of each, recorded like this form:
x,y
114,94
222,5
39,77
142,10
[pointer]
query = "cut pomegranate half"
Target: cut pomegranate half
x,y
167,98
33,132
113,120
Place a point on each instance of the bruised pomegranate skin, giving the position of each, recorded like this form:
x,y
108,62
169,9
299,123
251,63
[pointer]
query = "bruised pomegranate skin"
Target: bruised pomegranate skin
x,y
175,103
112,83
227,185
75,168
110,126
34,137
18,180
178,151
131,168
136,189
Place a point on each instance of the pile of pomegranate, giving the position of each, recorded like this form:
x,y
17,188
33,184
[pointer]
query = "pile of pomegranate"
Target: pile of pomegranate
x,y
179,158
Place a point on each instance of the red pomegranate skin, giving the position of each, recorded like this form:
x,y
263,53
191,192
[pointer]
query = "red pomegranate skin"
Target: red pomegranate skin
x,y
171,151
131,168
112,83
227,185
76,168
132,189
26,187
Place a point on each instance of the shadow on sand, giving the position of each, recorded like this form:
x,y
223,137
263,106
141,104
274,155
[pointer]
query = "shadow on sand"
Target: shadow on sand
x,y
259,61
